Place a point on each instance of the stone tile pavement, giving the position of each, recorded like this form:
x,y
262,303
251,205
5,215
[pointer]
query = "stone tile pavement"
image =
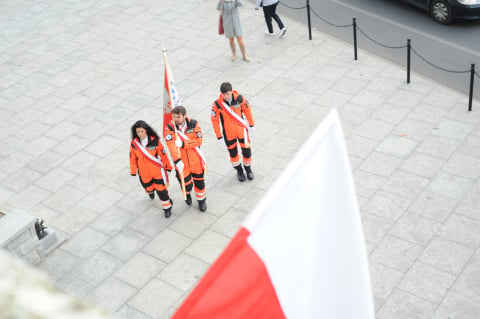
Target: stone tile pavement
x,y
76,74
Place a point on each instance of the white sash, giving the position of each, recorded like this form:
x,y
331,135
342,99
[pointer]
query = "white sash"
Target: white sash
x,y
197,149
153,159
239,120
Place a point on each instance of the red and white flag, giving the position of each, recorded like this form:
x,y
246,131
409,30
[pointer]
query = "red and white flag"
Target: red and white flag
x,y
170,95
301,253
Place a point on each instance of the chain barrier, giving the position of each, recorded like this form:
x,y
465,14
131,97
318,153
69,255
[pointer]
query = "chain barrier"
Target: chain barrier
x,y
330,23
408,45
436,66
292,7
380,44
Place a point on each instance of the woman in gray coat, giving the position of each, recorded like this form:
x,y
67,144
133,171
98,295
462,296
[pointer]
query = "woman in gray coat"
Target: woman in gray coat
x,y
232,26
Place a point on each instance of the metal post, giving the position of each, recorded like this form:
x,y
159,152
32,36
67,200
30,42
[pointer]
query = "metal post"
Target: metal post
x,y
472,77
408,60
309,22
355,37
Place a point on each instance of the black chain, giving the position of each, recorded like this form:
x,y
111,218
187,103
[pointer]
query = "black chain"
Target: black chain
x,y
380,44
332,24
436,66
293,7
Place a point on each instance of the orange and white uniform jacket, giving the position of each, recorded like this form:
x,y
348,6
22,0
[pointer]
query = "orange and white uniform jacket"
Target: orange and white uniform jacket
x,y
224,125
187,153
148,171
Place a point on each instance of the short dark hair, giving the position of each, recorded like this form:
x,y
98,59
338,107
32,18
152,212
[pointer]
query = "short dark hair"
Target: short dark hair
x,y
179,109
226,87
142,124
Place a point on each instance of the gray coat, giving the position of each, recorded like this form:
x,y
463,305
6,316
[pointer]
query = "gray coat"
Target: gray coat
x,y
231,17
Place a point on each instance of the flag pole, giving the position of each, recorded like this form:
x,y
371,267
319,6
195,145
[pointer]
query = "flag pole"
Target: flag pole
x,y
167,69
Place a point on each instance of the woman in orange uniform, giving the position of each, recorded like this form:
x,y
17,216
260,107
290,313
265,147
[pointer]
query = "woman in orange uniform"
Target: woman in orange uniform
x,y
149,159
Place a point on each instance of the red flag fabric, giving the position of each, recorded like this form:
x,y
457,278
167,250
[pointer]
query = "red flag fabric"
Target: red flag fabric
x,y
170,96
301,253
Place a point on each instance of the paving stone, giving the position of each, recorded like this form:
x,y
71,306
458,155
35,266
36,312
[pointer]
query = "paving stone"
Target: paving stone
x,y
208,246
448,185
453,129
381,164
427,282
128,312
405,185
396,253
390,113
437,146
457,306
73,220
155,298
96,268
125,244
446,255
384,280
387,205
111,294
85,243
230,222
184,272
367,183
415,229
374,129
101,199
402,304
461,229
468,283
167,245
463,165
139,269
433,206
422,165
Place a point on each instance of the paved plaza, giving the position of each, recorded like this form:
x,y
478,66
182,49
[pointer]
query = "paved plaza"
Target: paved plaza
x,y
76,74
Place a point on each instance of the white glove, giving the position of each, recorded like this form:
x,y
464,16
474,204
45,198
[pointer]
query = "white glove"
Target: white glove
x,y
221,140
251,129
180,166
178,143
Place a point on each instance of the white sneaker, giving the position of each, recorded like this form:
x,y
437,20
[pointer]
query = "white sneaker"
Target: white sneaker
x,y
268,33
282,32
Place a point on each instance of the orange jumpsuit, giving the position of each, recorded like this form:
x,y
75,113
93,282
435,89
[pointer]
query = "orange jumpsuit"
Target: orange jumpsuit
x,y
228,128
194,165
149,173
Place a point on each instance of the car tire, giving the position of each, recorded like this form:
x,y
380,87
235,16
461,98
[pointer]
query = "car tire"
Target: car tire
x,y
441,12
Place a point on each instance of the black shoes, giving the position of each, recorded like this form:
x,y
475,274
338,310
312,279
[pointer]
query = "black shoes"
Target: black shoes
x,y
189,199
202,205
240,175
250,175
168,212
152,195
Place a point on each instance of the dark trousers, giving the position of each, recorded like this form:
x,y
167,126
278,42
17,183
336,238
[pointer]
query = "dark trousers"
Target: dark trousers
x,y
270,12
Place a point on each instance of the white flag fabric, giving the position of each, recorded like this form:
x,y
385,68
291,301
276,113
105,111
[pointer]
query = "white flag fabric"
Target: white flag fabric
x,y
170,95
301,253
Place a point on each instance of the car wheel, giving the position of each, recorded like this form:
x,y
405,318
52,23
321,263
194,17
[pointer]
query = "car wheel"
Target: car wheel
x,y
441,12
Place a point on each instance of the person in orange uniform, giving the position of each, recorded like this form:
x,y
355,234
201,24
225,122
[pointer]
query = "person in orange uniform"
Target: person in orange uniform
x,y
184,138
233,123
149,159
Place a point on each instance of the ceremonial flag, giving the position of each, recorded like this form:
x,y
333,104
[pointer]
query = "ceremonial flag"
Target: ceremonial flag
x,y
170,95
301,253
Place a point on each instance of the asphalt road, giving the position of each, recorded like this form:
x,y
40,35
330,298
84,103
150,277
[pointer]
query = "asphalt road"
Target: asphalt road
x,y
390,23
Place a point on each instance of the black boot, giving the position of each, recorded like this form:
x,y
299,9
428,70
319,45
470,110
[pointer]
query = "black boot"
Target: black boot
x,y
250,175
202,205
168,212
152,195
189,199
240,175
